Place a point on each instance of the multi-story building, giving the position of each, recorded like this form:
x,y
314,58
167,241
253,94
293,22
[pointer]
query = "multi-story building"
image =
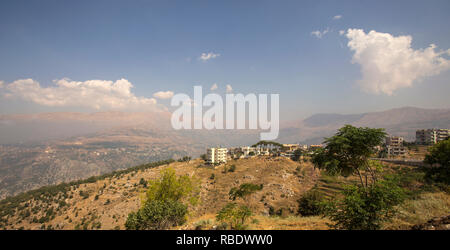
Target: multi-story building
x,y
394,146
431,136
250,151
216,155
395,150
394,141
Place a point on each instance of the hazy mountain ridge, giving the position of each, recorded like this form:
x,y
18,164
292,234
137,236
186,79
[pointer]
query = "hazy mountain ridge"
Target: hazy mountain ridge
x,y
400,121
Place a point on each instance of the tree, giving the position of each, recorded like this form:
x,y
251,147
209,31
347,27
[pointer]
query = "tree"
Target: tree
x,y
439,158
365,208
297,154
185,159
171,187
235,216
164,204
244,190
348,152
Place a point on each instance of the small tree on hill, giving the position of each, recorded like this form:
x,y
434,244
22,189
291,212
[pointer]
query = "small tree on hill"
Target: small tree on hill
x,y
164,206
244,190
235,216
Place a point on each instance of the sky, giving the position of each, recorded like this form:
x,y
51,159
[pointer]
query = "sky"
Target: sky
x,y
319,56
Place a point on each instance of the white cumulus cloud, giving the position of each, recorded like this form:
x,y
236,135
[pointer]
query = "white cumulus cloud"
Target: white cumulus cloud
x,y
319,34
208,56
214,87
389,63
94,94
229,88
337,17
163,94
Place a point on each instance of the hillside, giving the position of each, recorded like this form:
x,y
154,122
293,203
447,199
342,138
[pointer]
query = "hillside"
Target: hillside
x,y
104,202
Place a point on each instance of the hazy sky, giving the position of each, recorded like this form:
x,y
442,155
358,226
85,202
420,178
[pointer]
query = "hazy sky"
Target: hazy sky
x,y
320,56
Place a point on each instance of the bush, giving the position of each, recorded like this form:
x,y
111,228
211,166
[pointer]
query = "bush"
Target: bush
x,y
232,168
157,215
311,203
171,187
235,216
143,182
185,159
244,190
365,208
164,206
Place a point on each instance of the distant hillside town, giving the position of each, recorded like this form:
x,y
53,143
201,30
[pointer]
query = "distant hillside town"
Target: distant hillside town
x,y
394,146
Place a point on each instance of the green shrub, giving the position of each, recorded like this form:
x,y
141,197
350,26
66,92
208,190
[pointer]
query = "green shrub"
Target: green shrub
x,y
157,215
311,203
164,206
142,182
365,208
244,190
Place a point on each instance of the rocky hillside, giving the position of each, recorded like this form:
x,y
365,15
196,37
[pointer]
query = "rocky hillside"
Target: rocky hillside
x,y
104,202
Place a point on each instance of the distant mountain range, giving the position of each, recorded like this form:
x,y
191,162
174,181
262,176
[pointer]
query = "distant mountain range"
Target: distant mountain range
x,y
400,121
47,148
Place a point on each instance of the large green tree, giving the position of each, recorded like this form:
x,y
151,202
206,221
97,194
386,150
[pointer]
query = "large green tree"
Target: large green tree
x,y
439,159
348,152
371,203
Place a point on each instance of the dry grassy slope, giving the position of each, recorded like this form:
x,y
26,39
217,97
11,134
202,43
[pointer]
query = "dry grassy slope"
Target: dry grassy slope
x,y
284,182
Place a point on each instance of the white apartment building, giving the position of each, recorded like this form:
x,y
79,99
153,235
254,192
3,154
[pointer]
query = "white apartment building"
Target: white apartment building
x,y
431,136
216,155
253,151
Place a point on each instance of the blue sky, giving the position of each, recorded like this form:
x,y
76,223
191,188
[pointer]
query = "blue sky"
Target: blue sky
x,y
262,47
